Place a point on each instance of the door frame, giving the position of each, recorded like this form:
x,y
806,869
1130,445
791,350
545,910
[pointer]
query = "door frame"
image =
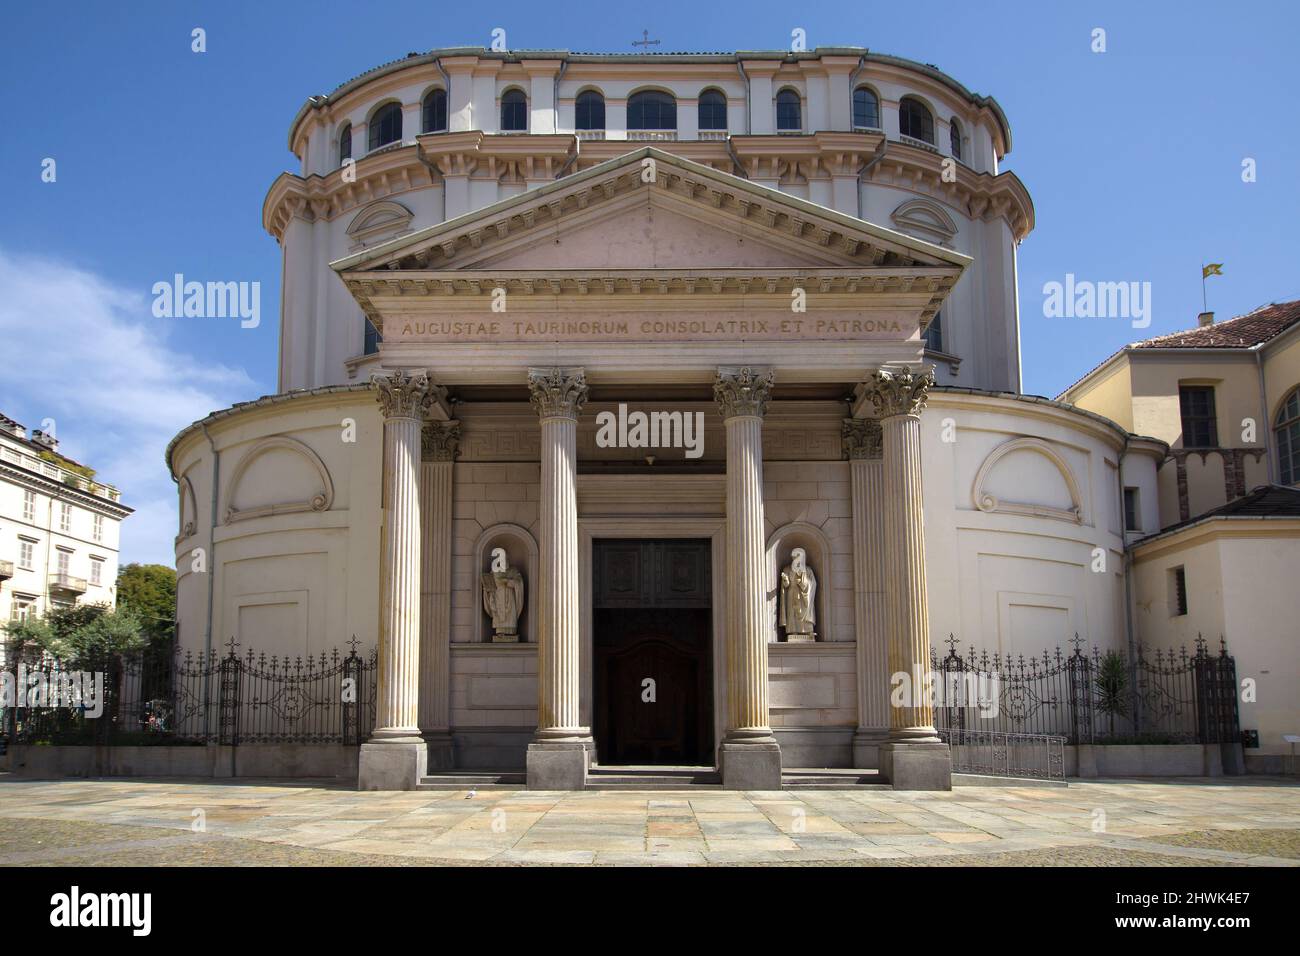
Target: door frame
x,y
713,528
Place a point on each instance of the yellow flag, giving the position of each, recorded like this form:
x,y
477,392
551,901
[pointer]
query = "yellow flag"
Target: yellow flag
x,y
1213,269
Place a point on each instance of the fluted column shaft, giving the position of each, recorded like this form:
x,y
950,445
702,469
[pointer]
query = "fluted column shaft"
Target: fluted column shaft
x,y
862,445
403,399
558,395
899,397
439,451
742,396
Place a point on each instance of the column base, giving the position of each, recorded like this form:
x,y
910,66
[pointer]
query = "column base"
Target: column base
x,y
866,748
918,766
392,765
751,764
558,765
438,743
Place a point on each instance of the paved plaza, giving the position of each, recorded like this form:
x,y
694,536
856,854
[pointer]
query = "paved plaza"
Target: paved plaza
x,y
1216,822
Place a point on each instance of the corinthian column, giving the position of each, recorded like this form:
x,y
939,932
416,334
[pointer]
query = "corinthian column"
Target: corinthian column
x,y
439,451
914,758
395,757
558,755
751,759
862,442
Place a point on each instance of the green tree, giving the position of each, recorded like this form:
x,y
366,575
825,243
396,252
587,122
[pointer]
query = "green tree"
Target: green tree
x,y
150,590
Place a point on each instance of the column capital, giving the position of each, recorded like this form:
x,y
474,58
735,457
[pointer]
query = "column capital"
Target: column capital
x,y
742,390
404,394
557,392
862,439
898,391
440,441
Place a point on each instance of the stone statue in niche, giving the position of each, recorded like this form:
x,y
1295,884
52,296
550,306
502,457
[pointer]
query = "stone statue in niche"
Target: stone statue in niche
x,y
798,608
503,598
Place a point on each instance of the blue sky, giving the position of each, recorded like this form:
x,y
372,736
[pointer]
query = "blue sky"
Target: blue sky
x,y
1133,158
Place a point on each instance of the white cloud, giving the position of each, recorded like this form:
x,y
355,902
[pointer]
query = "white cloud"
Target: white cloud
x,y
89,354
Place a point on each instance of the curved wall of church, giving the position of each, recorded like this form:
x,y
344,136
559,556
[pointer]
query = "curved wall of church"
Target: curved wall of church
x,y
293,561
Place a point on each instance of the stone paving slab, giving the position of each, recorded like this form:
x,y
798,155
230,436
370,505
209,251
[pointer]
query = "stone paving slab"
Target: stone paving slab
x,y
1224,821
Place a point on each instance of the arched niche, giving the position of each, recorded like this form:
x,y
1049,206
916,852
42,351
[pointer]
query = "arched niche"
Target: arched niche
x,y
189,509
800,534
521,552
1027,476
278,475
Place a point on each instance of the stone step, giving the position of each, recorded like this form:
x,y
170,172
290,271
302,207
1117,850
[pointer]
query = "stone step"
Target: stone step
x,y
473,780
831,778
651,778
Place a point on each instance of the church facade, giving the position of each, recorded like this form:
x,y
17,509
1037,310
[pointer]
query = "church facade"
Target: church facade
x,y
652,410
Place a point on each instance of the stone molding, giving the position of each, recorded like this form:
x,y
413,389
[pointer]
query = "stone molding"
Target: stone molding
x,y
557,392
743,391
898,391
861,439
440,441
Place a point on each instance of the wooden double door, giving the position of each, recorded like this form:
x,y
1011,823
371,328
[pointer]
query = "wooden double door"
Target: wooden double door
x,y
652,651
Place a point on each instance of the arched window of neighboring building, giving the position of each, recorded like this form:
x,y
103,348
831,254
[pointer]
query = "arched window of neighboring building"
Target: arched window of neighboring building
x,y
651,109
934,333
914,120
386,125
954,138
514,112
433,113
589,110
866,109
789,116
345,144
1286,429
713,110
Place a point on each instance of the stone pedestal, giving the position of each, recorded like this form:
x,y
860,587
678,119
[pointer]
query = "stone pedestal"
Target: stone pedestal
x,y
560,752
863,446
440,441
396,755
750,756
914,757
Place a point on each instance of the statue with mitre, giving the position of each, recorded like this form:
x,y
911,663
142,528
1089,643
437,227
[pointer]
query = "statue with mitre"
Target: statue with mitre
x,y
798,594
503,598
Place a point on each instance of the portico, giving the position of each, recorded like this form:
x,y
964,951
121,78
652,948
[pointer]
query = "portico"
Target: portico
x,y
791,329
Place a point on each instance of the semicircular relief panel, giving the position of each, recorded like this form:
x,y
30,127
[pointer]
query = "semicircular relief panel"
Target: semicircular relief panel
x,y
278,475
1027,476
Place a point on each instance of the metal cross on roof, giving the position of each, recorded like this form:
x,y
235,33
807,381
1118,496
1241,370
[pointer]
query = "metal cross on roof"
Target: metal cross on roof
x,y
645,40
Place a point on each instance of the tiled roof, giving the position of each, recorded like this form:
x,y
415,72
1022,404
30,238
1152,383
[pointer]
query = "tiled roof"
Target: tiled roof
x,y
1254,328
1245,331
1266,501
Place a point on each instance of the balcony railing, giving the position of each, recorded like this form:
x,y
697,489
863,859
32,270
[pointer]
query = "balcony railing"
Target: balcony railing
x,y
587,134
64,477
6,570
66,582
652,135
713,134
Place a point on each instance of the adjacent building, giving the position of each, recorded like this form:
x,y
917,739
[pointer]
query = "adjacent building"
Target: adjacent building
x,y
59,527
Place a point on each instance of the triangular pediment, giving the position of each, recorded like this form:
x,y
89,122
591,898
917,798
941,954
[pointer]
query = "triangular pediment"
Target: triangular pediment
x,y
650,210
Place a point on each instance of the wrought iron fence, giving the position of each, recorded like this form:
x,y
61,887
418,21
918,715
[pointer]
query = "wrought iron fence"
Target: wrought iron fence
x,y
1160,696
1037,756
184,698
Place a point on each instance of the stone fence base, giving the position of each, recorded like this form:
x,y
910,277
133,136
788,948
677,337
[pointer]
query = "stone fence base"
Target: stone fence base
x,y
1153,760
246,760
